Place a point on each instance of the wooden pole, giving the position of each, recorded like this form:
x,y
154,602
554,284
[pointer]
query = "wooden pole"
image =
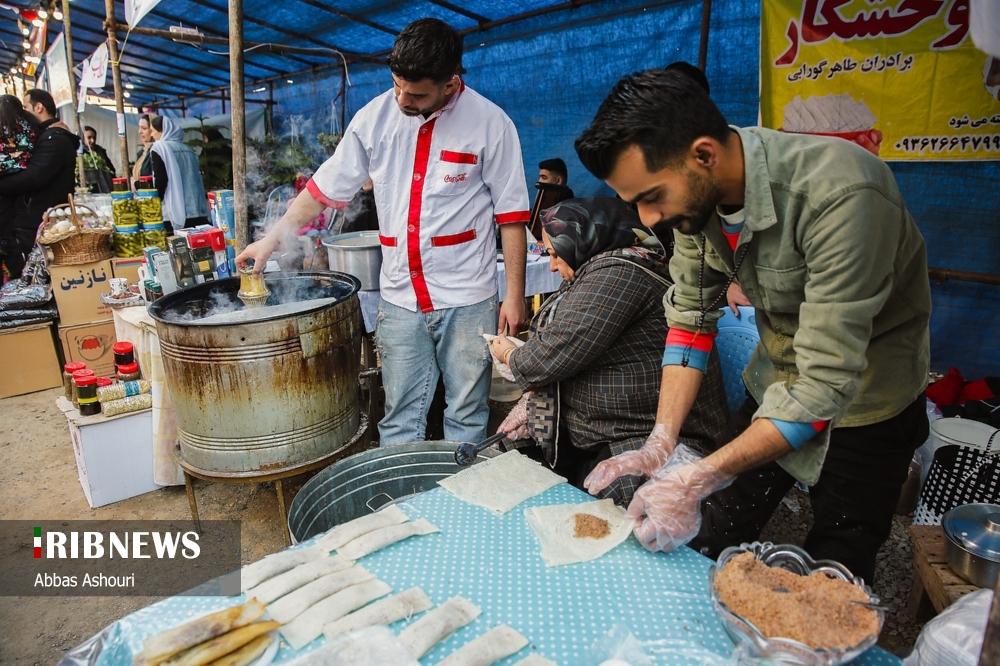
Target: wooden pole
x,y
238,121
68,43
116,74
990,654
706,16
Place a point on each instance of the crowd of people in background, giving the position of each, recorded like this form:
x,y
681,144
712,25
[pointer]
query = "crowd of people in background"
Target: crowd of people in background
x,y
38,169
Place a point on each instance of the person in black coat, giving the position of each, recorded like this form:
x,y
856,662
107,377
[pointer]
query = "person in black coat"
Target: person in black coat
x,y
47,181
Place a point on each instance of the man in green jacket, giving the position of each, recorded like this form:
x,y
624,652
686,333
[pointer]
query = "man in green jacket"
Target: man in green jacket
x,y
817,234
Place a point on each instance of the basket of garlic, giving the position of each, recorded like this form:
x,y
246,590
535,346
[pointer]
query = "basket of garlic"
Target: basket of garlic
x,y
75,234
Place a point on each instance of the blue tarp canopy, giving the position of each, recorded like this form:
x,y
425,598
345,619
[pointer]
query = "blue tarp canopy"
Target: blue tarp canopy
x,y
549,65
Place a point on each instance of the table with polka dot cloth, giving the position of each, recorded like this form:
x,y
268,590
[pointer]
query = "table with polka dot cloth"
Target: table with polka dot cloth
x,y
662,599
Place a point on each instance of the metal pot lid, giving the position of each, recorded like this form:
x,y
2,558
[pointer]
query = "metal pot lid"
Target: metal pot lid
x,y
976,528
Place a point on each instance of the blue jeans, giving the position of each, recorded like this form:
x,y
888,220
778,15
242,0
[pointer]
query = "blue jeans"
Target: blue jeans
x,y
416,349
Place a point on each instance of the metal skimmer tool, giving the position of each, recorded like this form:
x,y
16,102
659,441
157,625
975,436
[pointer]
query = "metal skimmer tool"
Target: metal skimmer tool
x,y
466,453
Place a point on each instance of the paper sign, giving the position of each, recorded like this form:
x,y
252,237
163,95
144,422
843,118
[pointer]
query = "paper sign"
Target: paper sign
x,y
902,78
95,68
60,84
136,9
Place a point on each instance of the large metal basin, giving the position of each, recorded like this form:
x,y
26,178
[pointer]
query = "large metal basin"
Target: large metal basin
x,y
358,253
267,395
365,482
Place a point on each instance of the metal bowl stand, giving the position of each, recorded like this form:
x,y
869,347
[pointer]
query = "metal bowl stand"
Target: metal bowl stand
x,y
276,476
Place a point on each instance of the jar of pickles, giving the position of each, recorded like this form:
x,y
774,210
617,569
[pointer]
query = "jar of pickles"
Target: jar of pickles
x,y
148,200
154,235
127,240
124,209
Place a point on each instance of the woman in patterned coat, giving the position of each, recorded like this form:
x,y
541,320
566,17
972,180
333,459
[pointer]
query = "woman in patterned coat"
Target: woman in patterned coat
x,y
592,363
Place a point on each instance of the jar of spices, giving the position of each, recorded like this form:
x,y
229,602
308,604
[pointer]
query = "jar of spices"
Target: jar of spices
x,y
124,353
86,372
86,395
104,381
128,372
68,371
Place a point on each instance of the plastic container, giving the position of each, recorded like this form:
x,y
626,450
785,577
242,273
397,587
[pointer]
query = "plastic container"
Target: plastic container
x,y
124,353
154,235
128,372
68,370
86,372
122,390
86,395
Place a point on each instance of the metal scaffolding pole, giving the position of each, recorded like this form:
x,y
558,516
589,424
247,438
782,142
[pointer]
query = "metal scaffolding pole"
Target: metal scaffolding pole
x,y
116,74
238,121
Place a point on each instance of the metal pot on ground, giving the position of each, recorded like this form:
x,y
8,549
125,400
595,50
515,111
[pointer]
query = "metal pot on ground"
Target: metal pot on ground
x,y
271,392
972,537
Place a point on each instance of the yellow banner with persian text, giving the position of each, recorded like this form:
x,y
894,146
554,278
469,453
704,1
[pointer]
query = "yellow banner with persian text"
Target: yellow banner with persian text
x,y
901,78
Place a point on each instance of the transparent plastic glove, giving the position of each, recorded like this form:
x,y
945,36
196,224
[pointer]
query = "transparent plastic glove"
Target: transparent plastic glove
x,y
495,342
667,508
653,455
515,426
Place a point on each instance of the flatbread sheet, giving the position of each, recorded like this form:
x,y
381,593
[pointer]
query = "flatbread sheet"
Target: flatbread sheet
x,y
554,527
501,483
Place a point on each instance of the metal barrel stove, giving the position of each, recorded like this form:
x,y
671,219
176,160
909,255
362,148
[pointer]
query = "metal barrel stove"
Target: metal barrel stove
x,y
267,394
367,481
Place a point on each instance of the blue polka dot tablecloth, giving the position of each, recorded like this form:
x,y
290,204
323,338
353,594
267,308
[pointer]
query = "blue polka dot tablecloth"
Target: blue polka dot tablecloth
x,y
565,612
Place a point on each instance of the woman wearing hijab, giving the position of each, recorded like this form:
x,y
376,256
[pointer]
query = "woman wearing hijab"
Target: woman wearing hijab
x,y
176,176
592,363
143,165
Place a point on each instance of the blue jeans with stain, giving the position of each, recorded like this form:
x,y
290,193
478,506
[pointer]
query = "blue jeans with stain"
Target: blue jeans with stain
x,y
416,349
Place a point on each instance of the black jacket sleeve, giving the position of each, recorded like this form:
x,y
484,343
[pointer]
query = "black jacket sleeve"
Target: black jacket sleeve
x,y
46,162
159,173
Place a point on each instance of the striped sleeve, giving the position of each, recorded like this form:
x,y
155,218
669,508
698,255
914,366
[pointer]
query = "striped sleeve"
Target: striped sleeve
x,y
688,349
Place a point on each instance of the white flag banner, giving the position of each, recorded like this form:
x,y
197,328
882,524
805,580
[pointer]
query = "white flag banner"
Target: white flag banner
x,y
136,9
94,71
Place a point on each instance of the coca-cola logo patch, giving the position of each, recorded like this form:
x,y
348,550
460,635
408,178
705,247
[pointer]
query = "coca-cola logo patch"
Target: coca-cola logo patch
x,y
460,178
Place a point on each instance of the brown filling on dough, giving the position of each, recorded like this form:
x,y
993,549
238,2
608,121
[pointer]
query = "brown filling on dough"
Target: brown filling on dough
x,y
587,526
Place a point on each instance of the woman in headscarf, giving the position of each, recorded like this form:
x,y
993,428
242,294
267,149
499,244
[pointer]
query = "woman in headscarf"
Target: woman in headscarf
x,y
592,363
177,176
143,165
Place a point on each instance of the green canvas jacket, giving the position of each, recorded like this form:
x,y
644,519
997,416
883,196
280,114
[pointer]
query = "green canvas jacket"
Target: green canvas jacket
x,y
837,271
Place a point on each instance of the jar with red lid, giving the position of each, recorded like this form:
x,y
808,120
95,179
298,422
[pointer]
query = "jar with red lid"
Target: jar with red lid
x,y
128,372
124,353
85,372
104,381
68,370
86,395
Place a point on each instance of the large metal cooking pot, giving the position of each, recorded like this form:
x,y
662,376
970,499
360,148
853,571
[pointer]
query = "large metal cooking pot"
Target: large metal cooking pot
x,y
266,394
358,253
972,534
367,481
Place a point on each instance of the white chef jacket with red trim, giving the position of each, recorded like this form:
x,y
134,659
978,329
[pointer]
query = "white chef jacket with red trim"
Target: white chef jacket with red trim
x,y
441,184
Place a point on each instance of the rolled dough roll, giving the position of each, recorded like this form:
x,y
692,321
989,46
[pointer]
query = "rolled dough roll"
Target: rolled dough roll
x,y
285,609
292,580
383,611
438,624
309,625
341,534
497,643
367,544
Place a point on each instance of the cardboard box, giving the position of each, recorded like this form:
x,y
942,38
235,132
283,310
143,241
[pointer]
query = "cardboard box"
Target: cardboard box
x,y
127,268
114,455
29,361
90,343
78,291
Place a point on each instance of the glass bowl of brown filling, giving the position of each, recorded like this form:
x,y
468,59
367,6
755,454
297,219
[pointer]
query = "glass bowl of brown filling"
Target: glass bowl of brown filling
x,y
779,604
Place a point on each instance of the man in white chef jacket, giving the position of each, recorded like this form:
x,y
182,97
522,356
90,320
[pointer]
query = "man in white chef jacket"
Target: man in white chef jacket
x,y
446,163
